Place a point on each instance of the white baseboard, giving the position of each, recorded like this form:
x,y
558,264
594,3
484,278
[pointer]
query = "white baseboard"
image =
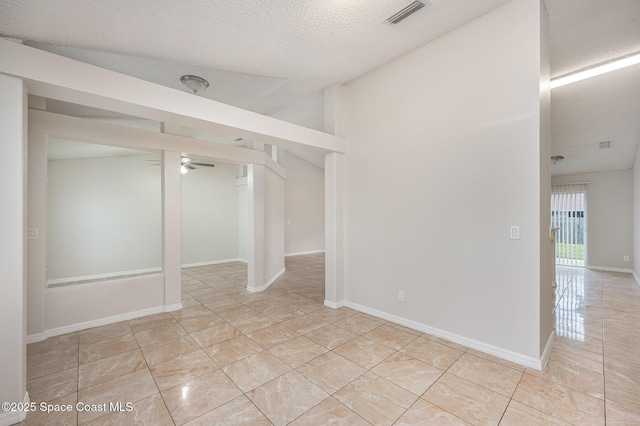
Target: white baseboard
x,y
520,359
38,337
547,350
333,305
267,284
102,276
212,262
608,269
302,253
12,417
174,307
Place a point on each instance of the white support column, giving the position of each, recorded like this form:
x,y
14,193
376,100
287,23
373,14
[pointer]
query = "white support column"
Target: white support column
x,y
36,242
13,351
334,246
172,230
255,193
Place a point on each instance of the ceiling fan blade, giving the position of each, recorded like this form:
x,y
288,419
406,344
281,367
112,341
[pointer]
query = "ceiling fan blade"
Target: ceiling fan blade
x,y
203,164
189,166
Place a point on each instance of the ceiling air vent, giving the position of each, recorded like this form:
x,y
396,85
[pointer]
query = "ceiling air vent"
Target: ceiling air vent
x,y
605,145
406,12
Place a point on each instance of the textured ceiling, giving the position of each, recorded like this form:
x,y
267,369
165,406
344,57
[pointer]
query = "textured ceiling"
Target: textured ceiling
x,y
275,57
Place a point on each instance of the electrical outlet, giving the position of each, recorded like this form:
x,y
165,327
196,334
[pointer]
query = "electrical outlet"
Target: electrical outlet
x,y
401,296
626,258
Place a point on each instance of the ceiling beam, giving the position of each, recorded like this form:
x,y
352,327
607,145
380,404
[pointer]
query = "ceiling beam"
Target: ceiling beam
x,y
65,79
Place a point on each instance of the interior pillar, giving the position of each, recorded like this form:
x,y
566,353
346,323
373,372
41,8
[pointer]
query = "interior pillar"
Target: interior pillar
x,y
172,230
333,241
13,351
255,193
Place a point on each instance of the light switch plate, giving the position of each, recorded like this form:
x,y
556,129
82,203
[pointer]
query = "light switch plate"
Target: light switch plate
x,y
515,232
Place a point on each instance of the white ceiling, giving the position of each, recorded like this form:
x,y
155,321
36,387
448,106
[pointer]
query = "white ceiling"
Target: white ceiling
x,y
275,57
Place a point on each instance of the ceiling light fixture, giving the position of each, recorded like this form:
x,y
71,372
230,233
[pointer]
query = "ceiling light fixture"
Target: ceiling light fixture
x,y
600,69
194,83
183,170
556,158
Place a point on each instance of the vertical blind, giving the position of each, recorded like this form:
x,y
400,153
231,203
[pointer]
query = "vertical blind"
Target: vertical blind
x,y
568,215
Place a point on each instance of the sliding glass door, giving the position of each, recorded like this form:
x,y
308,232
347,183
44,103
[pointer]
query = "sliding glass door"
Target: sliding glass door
x,y
568,216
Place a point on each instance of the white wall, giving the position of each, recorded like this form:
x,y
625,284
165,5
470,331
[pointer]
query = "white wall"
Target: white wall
x,y
104,216
609,217
636,214
307,112
444,157
273,225
13,351
304,205
210,214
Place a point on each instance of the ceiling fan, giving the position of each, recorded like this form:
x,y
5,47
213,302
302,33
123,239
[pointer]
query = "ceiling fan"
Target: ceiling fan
x,y
186,164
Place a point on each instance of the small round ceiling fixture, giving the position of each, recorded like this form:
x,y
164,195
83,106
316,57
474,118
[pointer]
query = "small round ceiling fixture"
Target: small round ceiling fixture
x,y
556,158
194,83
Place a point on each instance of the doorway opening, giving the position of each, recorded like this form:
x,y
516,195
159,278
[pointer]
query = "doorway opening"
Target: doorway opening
x,y
568,217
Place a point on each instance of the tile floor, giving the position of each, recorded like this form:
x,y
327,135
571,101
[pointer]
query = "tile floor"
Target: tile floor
x,y
280,357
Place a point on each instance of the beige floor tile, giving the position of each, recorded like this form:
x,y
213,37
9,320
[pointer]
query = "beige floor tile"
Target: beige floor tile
x,y
201,322
622,390
331,371
107,369
272,336
330,336
130,388
364,352
99,350
251,322
232,350
256,370
53,386
390,337
501,361
377,400
237,412
591,344
189,312
58,361
280,314
445,342
168,349
189,302
470,402
578,370
304,324
331,315
518,414
194,398
423,413
151,321
214,335
149,411
286,397
297,351
105,332
58,418
159,334
53,345
223,305
358,324
181,369
408,373
560,402
330,412
618,415
432,353
488,374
